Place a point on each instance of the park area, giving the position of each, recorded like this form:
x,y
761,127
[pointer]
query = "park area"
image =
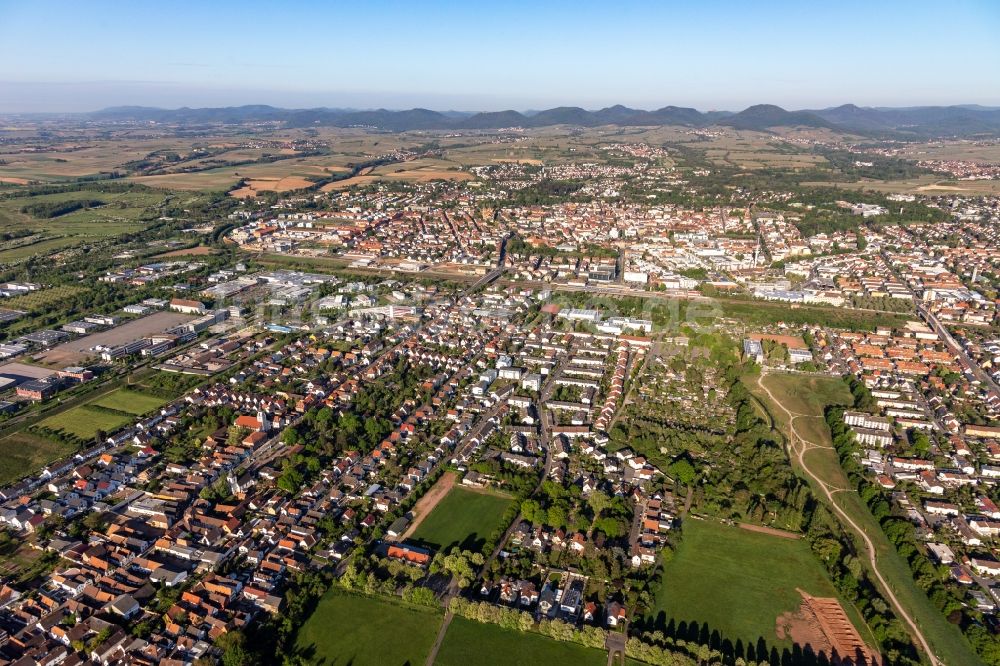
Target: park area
x,y
106,413
353,629
462,517
739,582
805,397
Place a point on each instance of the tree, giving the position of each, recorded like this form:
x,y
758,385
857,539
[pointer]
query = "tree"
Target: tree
x,y
291,480
234,649
683,471
598,502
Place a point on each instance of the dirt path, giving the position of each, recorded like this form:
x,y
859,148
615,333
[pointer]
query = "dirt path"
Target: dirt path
x,y
430,499
773,531
828,490
432,655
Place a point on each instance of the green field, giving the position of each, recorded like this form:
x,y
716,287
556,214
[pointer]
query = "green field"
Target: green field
x,y
802,394
23,453
738,582
358,630
129,400
123,212
470,643
464,518
84,422
108,413
43,297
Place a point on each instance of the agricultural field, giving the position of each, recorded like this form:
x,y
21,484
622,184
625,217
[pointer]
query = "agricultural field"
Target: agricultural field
x,y
361,631
470,643
739,582
423,170
463,518
22,453
926,185
115,214
84,421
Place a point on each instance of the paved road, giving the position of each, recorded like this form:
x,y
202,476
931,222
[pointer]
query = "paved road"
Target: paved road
x,y
956,348
828,490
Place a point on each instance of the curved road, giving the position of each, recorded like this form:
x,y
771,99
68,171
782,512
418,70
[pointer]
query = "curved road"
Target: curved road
x,y
829,491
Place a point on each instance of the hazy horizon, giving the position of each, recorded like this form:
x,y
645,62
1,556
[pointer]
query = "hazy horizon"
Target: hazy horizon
x,y
71,57
352,101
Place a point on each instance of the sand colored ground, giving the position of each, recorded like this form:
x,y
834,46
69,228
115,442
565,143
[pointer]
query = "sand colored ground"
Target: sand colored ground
x,y
76,351
430,499
199,251
821,624
271,185
770,530
790,341
14,181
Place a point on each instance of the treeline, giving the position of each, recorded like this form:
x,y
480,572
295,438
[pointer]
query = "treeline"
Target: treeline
x,y
930,578
50,209
680,653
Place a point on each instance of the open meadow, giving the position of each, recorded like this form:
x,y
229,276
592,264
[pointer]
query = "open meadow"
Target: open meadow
x,y
471,643
22,453
351,629
738,582
106,413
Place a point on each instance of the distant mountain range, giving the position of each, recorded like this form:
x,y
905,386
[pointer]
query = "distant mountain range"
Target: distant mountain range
x,y
916,122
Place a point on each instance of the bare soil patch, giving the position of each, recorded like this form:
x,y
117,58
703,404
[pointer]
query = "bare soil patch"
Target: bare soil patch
x,y
821,624
773,531
426,504
199,251
75,351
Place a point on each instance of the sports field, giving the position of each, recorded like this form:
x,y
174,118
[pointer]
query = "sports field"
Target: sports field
x,y
470,643
362,631
464,518
739,581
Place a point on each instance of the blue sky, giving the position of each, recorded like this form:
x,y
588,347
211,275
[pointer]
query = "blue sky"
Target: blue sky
x,y
84,55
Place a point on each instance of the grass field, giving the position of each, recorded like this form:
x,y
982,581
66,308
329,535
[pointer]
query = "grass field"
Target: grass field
x,y
129,400
463,518
361,631
738,582
85,420
22,453
470,643
808,395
